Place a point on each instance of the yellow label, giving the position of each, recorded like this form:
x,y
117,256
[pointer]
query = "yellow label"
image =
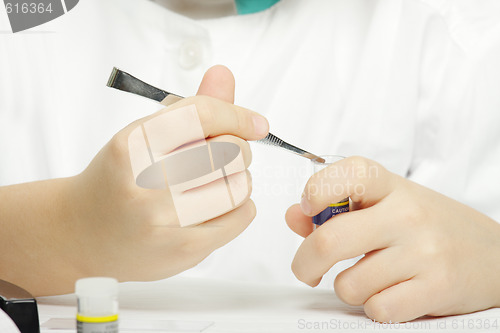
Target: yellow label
x,y
105,319
338,204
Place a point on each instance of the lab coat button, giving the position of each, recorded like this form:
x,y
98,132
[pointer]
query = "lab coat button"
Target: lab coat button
x,y
190,54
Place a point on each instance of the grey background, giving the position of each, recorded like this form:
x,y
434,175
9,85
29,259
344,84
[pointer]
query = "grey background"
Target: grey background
x,y
20,21
70,4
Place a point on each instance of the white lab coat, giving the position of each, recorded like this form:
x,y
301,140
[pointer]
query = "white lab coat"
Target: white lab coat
x,y
411,84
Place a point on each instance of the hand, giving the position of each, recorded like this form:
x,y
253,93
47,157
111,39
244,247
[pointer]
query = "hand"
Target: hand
x,y
424,253
131,225
101,223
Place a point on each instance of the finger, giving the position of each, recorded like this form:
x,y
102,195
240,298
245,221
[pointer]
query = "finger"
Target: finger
x,y
364,181
193,119
375,272
403,302
218,82
218,117
301,224
208,201
244,146
199,117
221,230
196,242
342,237
166,131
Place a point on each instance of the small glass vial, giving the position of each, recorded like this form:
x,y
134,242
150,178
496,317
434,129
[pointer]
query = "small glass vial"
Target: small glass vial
x,y
334,208
97,305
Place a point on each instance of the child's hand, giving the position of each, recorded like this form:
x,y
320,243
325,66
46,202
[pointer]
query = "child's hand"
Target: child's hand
x,y
425,254
137,230
101,223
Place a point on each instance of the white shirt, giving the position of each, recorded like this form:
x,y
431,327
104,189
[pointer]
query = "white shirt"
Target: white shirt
x,y
411,84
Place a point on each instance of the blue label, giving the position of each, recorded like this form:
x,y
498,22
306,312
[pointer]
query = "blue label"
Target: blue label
x,y
331,211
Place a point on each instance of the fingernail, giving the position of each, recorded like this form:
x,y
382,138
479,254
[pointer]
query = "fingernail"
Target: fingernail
x,y
260,125
305,206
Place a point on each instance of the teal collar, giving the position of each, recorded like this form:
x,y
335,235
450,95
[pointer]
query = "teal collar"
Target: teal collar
x,y
253,6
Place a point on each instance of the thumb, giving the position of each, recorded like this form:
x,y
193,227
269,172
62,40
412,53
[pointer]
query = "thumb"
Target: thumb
x,y
218,82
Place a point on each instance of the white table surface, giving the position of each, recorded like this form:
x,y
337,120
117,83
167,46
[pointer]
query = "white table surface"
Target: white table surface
x,y
243,307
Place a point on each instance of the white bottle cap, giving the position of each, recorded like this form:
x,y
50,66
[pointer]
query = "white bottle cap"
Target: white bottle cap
x,y
97,296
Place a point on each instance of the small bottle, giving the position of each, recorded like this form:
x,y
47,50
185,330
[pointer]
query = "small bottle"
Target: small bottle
x,y
97,305
334,208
